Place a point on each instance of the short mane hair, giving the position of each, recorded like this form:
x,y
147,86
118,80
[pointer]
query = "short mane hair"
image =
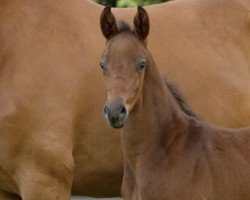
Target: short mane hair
x,y
179,98
123,27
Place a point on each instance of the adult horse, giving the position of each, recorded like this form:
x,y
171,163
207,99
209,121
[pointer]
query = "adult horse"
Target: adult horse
x,y
51,93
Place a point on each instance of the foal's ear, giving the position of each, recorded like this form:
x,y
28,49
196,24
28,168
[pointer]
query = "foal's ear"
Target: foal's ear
x,y
108,23
141,23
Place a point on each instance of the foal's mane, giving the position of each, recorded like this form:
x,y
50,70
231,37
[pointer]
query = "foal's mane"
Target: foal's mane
x,y
179,98
123,27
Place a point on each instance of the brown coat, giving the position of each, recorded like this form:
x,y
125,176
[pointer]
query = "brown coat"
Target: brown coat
x,y
52,94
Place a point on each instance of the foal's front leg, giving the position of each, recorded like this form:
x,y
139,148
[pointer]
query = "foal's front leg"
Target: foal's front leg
x,y
129,187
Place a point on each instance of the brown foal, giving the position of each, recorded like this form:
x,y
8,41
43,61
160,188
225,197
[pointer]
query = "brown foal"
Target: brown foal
x,y
169,154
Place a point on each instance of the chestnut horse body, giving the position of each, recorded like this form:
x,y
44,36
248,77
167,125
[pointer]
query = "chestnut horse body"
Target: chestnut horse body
x,y
168,154
52,130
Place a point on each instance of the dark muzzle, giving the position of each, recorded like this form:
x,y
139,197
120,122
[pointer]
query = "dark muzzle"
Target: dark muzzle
x,y
115,113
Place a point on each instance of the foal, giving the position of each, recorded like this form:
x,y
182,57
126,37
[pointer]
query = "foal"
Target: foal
x,y
168,154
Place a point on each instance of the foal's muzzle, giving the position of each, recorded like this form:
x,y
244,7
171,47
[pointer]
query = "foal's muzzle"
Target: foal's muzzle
x,y
115,113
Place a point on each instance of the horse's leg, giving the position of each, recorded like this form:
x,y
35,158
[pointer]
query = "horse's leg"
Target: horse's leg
x,y
8,196
47,176
47,188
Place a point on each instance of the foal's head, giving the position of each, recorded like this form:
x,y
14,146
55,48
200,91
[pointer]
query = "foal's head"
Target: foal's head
x,y
123,63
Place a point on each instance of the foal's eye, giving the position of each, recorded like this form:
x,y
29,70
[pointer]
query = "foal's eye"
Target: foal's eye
x,y
141,66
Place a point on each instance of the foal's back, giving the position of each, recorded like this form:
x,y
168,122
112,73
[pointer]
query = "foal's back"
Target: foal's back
x,y
214,164
228,157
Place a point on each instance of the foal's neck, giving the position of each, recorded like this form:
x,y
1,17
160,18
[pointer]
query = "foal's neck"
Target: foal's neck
x,y
156,121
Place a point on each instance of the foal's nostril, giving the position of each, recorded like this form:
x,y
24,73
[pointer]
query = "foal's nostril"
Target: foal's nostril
x,y
115,113
123,111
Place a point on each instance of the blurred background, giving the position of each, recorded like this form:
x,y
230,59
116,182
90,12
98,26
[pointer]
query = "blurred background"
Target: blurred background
x,y
128,3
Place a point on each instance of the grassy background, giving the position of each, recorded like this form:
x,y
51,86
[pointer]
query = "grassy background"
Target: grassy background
x,y
128,3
